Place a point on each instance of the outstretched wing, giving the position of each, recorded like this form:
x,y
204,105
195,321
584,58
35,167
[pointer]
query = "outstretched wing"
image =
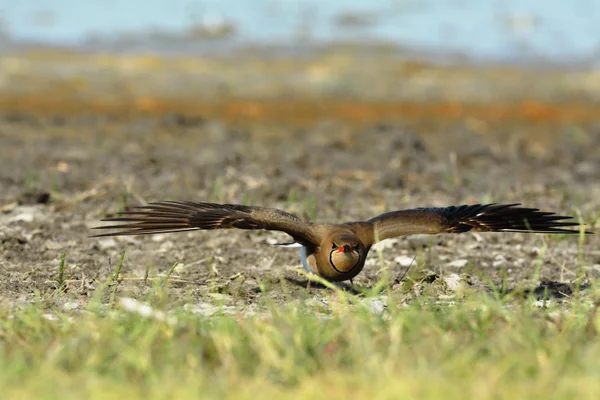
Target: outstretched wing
x,y
178,216
478,218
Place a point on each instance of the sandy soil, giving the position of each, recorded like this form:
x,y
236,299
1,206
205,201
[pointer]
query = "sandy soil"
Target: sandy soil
x,y
70,159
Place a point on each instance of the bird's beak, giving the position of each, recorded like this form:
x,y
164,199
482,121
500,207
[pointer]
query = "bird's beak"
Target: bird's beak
x,y
345,249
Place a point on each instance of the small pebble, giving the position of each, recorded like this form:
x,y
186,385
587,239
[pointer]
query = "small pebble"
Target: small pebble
x,y
460,263
404,261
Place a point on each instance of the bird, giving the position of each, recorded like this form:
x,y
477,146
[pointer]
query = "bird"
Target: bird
x,y
336,252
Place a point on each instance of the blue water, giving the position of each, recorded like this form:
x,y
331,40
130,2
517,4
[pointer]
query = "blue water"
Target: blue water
x,y
487,29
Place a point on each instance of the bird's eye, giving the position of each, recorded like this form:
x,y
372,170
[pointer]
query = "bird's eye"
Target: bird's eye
x,y
334,246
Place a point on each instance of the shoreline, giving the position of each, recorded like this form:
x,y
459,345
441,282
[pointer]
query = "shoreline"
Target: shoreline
x,y
330,83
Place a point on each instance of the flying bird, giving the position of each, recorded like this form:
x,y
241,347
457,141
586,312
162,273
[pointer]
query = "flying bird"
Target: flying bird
x,y
336,252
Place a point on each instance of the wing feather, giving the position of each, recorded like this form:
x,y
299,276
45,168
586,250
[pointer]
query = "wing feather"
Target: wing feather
x,y
464,218
180,216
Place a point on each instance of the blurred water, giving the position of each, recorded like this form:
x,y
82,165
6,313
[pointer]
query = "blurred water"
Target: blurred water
x,y
485,29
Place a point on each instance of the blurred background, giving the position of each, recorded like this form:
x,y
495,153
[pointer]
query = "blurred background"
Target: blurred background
x,y
513,30
385,50
388,50
330,109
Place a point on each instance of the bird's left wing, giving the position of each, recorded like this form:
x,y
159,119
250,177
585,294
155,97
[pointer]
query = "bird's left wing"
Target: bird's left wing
x,y
477,217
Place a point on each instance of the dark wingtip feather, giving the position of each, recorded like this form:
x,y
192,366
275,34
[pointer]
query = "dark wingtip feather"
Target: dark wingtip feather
x,y
510,218
136,232
178,216
153,218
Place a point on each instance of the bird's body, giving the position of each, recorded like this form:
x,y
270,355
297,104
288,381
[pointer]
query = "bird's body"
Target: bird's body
x,y
340,255
336,252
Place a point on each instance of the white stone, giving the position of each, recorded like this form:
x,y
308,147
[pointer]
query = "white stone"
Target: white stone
x,y
404,261
107,243
384,244
452,281
70,305
460,263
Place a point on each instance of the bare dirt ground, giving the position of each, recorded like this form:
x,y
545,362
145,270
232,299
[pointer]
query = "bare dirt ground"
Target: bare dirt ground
x,y
331,151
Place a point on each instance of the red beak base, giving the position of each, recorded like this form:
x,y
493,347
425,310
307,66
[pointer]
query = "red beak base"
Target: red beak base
x,y
345,249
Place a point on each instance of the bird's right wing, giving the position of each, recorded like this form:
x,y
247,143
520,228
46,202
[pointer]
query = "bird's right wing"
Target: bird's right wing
x,y
178,216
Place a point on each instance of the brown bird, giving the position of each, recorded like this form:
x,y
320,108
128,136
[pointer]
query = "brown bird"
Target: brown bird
x,y
336,252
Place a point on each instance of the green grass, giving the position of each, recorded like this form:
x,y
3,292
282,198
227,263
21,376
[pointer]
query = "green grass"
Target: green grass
x,y
482,347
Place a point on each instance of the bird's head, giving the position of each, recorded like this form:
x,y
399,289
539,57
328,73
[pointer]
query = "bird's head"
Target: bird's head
x,y
345,252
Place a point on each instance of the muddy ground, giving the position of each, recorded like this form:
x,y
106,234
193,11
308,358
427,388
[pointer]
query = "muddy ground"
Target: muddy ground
x,y
69,159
